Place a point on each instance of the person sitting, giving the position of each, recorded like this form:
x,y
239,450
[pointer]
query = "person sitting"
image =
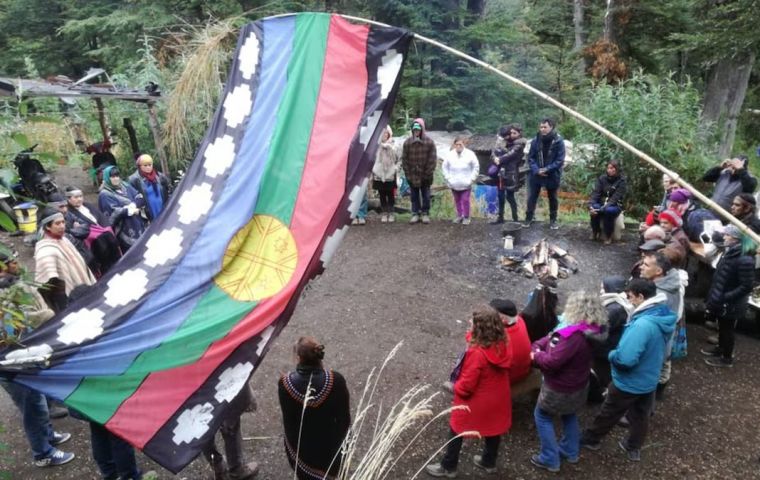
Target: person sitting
x,y
506,168
91,228
59,267
647,248
606,202
674,249
153,185
668,185
671,222
483,387
314,432
122,205
731,178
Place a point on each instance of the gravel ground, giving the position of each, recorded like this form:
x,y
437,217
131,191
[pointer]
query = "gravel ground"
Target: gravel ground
x,y
417,283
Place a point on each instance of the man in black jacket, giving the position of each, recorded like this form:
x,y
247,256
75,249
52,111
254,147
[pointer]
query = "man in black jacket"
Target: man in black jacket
x,y
727,299
546,159
606,202
731,178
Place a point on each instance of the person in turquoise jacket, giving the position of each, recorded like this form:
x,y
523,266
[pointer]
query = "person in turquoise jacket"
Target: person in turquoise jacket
x,y
636,364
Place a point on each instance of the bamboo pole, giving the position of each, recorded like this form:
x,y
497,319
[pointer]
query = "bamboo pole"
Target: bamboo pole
x,y
641,155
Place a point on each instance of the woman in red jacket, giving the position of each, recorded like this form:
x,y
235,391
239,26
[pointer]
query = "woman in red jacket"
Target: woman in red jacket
x,y
482,387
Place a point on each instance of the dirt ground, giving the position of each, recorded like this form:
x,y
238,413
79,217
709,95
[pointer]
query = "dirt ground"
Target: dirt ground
x,y
418,284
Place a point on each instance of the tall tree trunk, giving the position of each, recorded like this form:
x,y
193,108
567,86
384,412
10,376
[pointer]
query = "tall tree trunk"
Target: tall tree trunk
x,y
724,96
610,34
580,35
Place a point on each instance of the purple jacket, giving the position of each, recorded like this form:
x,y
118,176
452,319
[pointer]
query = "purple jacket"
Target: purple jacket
x,y
565,356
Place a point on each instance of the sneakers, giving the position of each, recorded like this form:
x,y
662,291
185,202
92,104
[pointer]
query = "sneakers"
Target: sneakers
x,y
720,362
712,339
711,325
59,438
595,236
391,218
498,221
711,352
355,221
536,461
56,457
466,221
633,455
457,220
527,223
415,218
623,422
478,461
588,445
425,219
362,221
569,459
554,225
383,218
437,470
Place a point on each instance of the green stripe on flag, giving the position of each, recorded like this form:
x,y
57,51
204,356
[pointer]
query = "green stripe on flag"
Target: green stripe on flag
x,y
216,313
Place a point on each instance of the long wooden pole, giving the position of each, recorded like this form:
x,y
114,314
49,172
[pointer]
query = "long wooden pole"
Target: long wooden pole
x,y
157,139
643,156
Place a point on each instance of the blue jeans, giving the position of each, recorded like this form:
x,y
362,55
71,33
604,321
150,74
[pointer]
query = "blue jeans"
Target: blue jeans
x,y
362,213
420,197
569,444
113,455
605,219
35,417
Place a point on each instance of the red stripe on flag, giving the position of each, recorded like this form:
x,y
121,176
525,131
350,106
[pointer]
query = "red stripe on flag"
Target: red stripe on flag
x,y
339,110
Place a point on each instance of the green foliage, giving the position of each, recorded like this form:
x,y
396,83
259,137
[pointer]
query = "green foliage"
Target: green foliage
x,y
659,117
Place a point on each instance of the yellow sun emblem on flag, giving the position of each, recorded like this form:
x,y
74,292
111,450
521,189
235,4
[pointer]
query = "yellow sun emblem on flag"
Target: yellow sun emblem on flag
x,y
259,261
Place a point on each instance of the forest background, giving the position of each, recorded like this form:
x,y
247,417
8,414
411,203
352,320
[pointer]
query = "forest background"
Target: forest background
x,y
673,77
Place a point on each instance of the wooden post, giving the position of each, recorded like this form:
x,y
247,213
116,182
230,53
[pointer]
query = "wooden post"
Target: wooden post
x,y
132,136
154,128
103,120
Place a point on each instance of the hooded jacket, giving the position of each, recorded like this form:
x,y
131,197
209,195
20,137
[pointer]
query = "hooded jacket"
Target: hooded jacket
x,y
618,310
483,386
731,283
670,286
637,360
419,158
460,170
386,161
564,356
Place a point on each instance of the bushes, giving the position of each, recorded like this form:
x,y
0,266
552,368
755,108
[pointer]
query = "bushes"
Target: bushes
x,y
658,116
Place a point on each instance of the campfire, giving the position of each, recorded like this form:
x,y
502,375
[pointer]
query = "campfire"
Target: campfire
x,y
542,260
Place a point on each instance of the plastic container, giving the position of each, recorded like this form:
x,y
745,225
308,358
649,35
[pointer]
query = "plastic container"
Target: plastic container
x,y
26,217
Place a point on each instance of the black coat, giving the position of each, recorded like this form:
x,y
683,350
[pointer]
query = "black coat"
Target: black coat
x,y
608,191
731,283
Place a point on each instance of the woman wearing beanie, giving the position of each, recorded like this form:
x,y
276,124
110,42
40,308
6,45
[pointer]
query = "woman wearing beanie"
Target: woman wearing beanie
x,y
671,222
384,175
153,185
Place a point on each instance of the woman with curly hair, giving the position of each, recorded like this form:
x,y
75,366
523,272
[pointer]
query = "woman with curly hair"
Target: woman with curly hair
x,y
481,392
564,358
315,431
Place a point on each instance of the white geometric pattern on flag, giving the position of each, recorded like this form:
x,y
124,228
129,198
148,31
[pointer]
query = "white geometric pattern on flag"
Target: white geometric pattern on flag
x,y
231,381
388,71
265,336
193,423
162,247
356,196
81,325
126,287
219,156
237,105
195,203
249,56
331,244
365,132
35,354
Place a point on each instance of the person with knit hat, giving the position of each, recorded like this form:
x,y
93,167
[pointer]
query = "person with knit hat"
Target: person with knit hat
x,y
419,158
731,178
123,206
154,186
384,175
519,342
671,222
744,207
728,296
59,267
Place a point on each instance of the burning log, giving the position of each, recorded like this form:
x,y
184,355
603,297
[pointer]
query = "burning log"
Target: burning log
x,y
542,260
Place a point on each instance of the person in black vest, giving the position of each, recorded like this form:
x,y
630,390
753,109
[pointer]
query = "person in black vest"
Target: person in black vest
x,y
322,427
606,202
728,296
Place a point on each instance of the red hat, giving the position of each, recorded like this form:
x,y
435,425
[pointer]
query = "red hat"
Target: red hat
x,y
672,217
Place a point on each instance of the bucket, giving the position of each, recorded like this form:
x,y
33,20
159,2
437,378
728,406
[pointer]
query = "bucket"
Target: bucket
x,y
26,217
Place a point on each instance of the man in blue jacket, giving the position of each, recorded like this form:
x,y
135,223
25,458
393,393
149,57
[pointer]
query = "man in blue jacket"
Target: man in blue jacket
x,y
636,364
545,158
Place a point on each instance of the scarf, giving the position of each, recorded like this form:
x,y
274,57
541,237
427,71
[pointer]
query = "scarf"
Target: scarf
x,y
107,185
566,332
151,177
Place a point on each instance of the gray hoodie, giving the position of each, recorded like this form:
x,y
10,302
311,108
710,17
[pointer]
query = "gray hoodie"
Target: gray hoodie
x,y
670,285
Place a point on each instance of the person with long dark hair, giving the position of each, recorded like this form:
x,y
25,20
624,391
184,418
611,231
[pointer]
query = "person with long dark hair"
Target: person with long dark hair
x,y
506,168
315,413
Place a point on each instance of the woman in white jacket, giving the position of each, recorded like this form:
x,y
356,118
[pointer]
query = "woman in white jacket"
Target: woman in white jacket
x,y
460,170
384,175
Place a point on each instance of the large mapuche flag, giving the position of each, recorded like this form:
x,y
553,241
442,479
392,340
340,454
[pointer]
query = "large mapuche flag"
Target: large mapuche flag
x,y
160,346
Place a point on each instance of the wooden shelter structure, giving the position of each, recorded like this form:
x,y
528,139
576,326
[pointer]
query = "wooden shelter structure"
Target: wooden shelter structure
x,y
65,88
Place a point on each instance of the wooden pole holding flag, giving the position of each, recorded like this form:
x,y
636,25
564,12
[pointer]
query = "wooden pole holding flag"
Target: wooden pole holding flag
x,y
635,151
